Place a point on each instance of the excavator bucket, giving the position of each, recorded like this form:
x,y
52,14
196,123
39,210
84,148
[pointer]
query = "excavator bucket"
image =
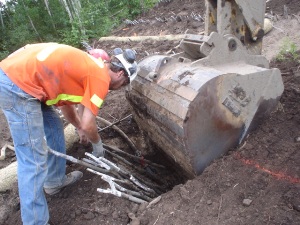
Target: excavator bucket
x,y
198,104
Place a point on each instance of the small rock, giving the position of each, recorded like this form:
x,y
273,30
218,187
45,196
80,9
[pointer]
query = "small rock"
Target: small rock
x,y
184,193
297,139
89,216
131,215
103,211
115,215
144,220
65,218
196,24
134,219
178,19
209,202
143,207
248,146
16,206
65,195
73,215
84,210
296,206
77,212
228,184
247,202
135,208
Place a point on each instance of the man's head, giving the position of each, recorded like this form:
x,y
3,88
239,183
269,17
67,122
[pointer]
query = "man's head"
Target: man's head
x,y
123,66
125,60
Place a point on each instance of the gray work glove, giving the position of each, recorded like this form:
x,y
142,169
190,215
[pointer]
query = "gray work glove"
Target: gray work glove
x,y
98,149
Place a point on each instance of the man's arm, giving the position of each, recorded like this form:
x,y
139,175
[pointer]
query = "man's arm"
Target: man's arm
x,y
71,115
83,119
85,122
89,125
80,109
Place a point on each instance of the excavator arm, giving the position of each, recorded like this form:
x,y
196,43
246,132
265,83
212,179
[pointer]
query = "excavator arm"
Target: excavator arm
x,y
242,18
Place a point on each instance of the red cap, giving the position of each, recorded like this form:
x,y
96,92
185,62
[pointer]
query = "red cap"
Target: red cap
x,y
99,53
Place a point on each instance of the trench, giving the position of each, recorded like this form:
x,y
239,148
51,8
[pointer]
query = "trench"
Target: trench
x,y
163,178
151,166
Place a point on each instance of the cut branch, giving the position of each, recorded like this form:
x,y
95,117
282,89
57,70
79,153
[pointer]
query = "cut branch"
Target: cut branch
x,y
136,158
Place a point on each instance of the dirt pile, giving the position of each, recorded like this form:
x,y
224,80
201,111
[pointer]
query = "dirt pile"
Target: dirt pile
x,y
256,183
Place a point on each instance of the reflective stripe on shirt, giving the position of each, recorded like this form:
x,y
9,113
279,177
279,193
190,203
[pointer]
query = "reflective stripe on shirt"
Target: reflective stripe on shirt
x,y
64,97
96,100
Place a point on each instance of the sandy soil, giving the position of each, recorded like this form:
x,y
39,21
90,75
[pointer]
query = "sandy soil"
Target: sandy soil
x,y
263,171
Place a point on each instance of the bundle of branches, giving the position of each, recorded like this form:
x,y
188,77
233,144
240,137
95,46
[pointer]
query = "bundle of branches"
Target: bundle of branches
x,y
129,176
138,186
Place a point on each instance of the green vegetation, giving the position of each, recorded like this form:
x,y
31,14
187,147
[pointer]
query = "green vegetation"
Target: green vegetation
x,y
62,21
288,51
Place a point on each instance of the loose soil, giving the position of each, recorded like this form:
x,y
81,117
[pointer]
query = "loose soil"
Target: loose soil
x,y
257,182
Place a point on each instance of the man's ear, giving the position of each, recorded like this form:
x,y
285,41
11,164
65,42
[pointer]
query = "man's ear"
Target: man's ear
x,y
120,73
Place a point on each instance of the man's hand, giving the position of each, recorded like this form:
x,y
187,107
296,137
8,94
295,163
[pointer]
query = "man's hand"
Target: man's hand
x,y
82,137
84,121
98,149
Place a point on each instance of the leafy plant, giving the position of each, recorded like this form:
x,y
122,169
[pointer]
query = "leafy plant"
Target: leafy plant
x,y
288,51
3,54
63,21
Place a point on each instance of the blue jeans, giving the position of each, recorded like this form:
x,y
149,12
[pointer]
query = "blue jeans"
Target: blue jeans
x,y
33,126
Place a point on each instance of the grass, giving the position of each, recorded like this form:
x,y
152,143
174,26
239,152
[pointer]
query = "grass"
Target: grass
x,y
288,51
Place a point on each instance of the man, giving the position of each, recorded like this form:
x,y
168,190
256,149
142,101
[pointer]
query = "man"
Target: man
x,y
32,80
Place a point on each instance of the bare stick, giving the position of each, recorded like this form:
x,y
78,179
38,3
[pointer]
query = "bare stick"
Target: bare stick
x,y
125,161
137,181
114,148
112,181
129,142
134,180
3,150
141,171
220,206
152,188
90,161
98,161
285,12
117,193
156,219
277,28
123,195
133,193
114,123
77,161
297,17
126,182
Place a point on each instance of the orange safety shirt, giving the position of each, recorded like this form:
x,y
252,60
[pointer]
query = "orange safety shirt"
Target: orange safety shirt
x,y
58,74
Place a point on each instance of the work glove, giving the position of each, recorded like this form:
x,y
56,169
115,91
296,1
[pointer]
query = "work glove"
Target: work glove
x,y
98,149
